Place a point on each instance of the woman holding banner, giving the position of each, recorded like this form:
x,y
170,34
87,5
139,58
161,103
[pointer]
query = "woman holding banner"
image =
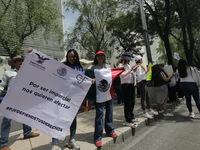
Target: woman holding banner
x,y
99,63
72,60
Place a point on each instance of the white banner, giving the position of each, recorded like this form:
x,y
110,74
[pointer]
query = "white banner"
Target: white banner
x,y
169,71
45,94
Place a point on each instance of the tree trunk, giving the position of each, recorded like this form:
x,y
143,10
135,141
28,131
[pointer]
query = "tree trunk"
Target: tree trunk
x,y
168,50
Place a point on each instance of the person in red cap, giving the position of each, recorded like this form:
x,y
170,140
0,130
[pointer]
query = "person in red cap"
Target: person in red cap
x,y
100,63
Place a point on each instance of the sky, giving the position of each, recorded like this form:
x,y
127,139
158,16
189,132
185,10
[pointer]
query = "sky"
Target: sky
x,y
69,19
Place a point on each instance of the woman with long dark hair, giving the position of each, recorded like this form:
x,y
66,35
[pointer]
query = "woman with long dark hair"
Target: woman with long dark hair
x,y
72,60
188,85
159,93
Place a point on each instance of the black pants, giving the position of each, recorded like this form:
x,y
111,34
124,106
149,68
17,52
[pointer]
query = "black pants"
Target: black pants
x,y
128,92
172,93
143,94
118,91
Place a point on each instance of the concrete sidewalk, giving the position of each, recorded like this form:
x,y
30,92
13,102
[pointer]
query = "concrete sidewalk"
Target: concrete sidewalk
x,y
85,129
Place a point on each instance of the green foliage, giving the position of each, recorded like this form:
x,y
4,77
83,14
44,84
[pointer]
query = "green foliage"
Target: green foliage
x,y
20,19
179,19
188,26
127,30
116,25
176,47
90,29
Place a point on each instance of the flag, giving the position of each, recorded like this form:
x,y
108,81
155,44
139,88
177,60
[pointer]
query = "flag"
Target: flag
x,y
103,89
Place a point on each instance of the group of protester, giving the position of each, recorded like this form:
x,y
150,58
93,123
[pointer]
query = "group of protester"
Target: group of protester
x,y
156,92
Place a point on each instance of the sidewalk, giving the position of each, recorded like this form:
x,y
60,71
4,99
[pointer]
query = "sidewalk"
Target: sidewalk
x,y
85,129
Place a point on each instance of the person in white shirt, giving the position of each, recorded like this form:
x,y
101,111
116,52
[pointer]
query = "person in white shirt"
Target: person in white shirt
x,y
188,85
128,90
141,74
7,81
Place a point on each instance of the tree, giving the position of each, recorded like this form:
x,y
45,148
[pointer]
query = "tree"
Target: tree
x,y
178,19
161,17
188,23
20,19
127,32
90,29
175,47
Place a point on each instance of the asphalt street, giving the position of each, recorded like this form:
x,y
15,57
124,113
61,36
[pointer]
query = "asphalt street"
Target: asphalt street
x,y
161,133
168,133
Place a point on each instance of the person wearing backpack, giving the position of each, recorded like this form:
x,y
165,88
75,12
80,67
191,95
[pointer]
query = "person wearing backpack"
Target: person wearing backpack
x,y
160,89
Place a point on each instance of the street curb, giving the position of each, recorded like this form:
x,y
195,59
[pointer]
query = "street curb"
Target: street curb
x,y
127,132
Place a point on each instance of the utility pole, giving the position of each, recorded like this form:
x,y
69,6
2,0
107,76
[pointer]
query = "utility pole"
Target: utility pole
x,y
146,37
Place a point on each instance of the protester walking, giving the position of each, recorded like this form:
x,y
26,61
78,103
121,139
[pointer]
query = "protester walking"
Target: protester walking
x,y
159,92
128,90
72,60
188,85
100,63
141,74
7,81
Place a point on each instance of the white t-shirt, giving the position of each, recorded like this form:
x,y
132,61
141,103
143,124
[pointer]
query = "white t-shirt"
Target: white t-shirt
x,y
189,78
8,78
129,78
141,74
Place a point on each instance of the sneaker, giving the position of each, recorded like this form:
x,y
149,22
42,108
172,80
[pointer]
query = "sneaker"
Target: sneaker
x,y
168,115
180,98
160,111
98,143
56,148
129,124
146,115
152,112
192,115
114,135
135,120
73,145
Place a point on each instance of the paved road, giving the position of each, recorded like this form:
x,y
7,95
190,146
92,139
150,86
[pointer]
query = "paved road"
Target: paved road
x,y
177,133
172,133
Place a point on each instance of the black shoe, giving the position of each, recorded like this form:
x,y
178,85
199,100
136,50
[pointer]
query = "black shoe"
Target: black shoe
x,y
32,135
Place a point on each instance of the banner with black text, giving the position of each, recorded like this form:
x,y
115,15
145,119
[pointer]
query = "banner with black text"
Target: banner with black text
x,y
45,94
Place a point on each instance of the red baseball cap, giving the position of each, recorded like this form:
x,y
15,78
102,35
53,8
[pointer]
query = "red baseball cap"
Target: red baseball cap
x,y
100,53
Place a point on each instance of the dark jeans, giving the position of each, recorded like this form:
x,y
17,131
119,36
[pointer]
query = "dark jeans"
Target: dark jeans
x,y
99,119
5,130
128,92
180,93
172,93
72,132
118,91
190,89
143,94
